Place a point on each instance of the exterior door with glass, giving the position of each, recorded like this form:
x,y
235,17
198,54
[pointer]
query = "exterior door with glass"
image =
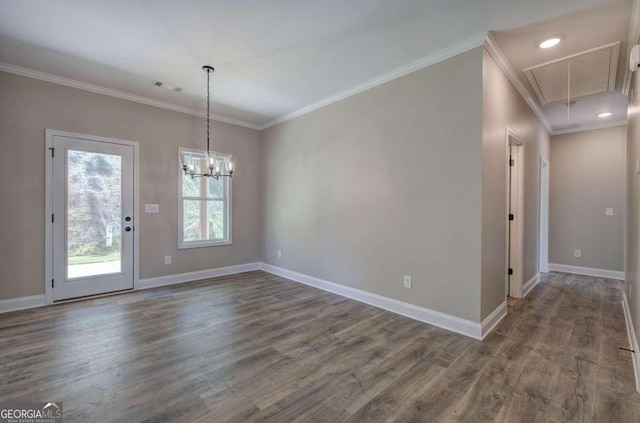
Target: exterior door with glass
x,y
92,221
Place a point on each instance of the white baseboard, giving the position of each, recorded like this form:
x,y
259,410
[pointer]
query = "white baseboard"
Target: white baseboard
x,y
493,319
589,271
21,303
432,317
633,340
194,276
455,324
530,284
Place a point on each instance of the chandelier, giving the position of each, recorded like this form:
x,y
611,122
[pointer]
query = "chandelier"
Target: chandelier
x,y
208,163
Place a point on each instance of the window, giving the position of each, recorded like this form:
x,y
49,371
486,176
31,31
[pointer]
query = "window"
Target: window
x,y
205,208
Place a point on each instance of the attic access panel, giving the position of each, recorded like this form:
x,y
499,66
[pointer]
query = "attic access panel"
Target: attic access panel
x,y
592,72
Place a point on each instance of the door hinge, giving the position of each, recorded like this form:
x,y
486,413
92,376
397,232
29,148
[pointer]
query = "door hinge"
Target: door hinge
x,y
52,283
52,149
511,161
510,216
510,271
51,217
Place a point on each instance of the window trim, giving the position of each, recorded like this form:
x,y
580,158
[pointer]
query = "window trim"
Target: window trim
x,y
182,245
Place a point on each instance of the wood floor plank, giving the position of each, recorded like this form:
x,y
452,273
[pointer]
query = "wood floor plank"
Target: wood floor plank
x,y
255,347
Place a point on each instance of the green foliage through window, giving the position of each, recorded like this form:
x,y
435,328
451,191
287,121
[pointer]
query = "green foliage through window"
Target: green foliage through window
x,y
94,199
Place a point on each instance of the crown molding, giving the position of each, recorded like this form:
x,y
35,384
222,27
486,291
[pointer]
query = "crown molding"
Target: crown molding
x,y
632,39
503,63
601,125
427,61
42,76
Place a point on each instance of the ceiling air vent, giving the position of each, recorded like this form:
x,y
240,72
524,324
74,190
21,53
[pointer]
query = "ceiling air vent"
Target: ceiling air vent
x,y
565,127
591,72
169,87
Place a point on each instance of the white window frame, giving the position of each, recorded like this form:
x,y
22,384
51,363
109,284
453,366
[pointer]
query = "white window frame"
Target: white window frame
x,y
204,243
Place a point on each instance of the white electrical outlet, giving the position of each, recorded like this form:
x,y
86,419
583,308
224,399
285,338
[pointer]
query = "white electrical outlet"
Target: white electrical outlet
x,y
407,282
577,253
167,259
608,211
279,253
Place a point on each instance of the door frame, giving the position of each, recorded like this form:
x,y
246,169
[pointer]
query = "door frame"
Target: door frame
x,y
48,205
517,247
543,264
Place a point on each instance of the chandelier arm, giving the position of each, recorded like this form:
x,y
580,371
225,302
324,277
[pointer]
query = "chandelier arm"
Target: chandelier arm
x,y
209,175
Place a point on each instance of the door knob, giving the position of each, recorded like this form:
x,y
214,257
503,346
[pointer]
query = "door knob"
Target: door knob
x,y
127,229
127,218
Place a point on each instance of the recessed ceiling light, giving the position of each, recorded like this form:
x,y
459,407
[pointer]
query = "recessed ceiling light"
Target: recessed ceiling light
x,y
549,43
605,114
167,86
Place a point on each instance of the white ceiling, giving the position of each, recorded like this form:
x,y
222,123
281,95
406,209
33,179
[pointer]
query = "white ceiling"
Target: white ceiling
x,y
273,58
580,32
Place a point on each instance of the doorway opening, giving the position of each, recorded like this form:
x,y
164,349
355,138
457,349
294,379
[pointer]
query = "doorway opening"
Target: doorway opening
x,y
91,211
515,215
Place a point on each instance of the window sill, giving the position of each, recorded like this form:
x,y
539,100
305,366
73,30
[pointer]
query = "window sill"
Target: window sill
x,y
202,244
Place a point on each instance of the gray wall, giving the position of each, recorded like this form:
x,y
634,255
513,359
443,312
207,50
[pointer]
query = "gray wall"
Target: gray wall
x,y
28,106
632,263
383,184
407,178
587,175
502,107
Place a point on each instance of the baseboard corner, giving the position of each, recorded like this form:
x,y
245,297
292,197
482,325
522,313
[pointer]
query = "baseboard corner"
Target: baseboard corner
x,y
489,324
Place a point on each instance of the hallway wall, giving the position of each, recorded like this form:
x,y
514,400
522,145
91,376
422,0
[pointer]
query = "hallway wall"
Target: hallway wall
x,y
632,265
587,175
503,107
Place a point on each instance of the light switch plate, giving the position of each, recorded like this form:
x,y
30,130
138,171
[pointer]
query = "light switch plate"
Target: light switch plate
x,y
608,211
151,208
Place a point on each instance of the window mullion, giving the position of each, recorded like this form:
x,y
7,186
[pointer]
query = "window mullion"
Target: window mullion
x,y
204,221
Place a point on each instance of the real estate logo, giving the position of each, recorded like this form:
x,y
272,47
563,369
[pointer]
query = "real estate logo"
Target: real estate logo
x,y
31,412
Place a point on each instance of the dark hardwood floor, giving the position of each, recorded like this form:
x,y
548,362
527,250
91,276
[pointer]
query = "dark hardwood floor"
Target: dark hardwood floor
x,y
256,347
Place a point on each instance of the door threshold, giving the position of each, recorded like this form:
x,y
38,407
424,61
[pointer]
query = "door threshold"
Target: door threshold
x,y
93,297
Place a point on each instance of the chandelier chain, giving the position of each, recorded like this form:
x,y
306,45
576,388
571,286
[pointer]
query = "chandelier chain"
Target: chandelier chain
x,y
208,101
217,164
